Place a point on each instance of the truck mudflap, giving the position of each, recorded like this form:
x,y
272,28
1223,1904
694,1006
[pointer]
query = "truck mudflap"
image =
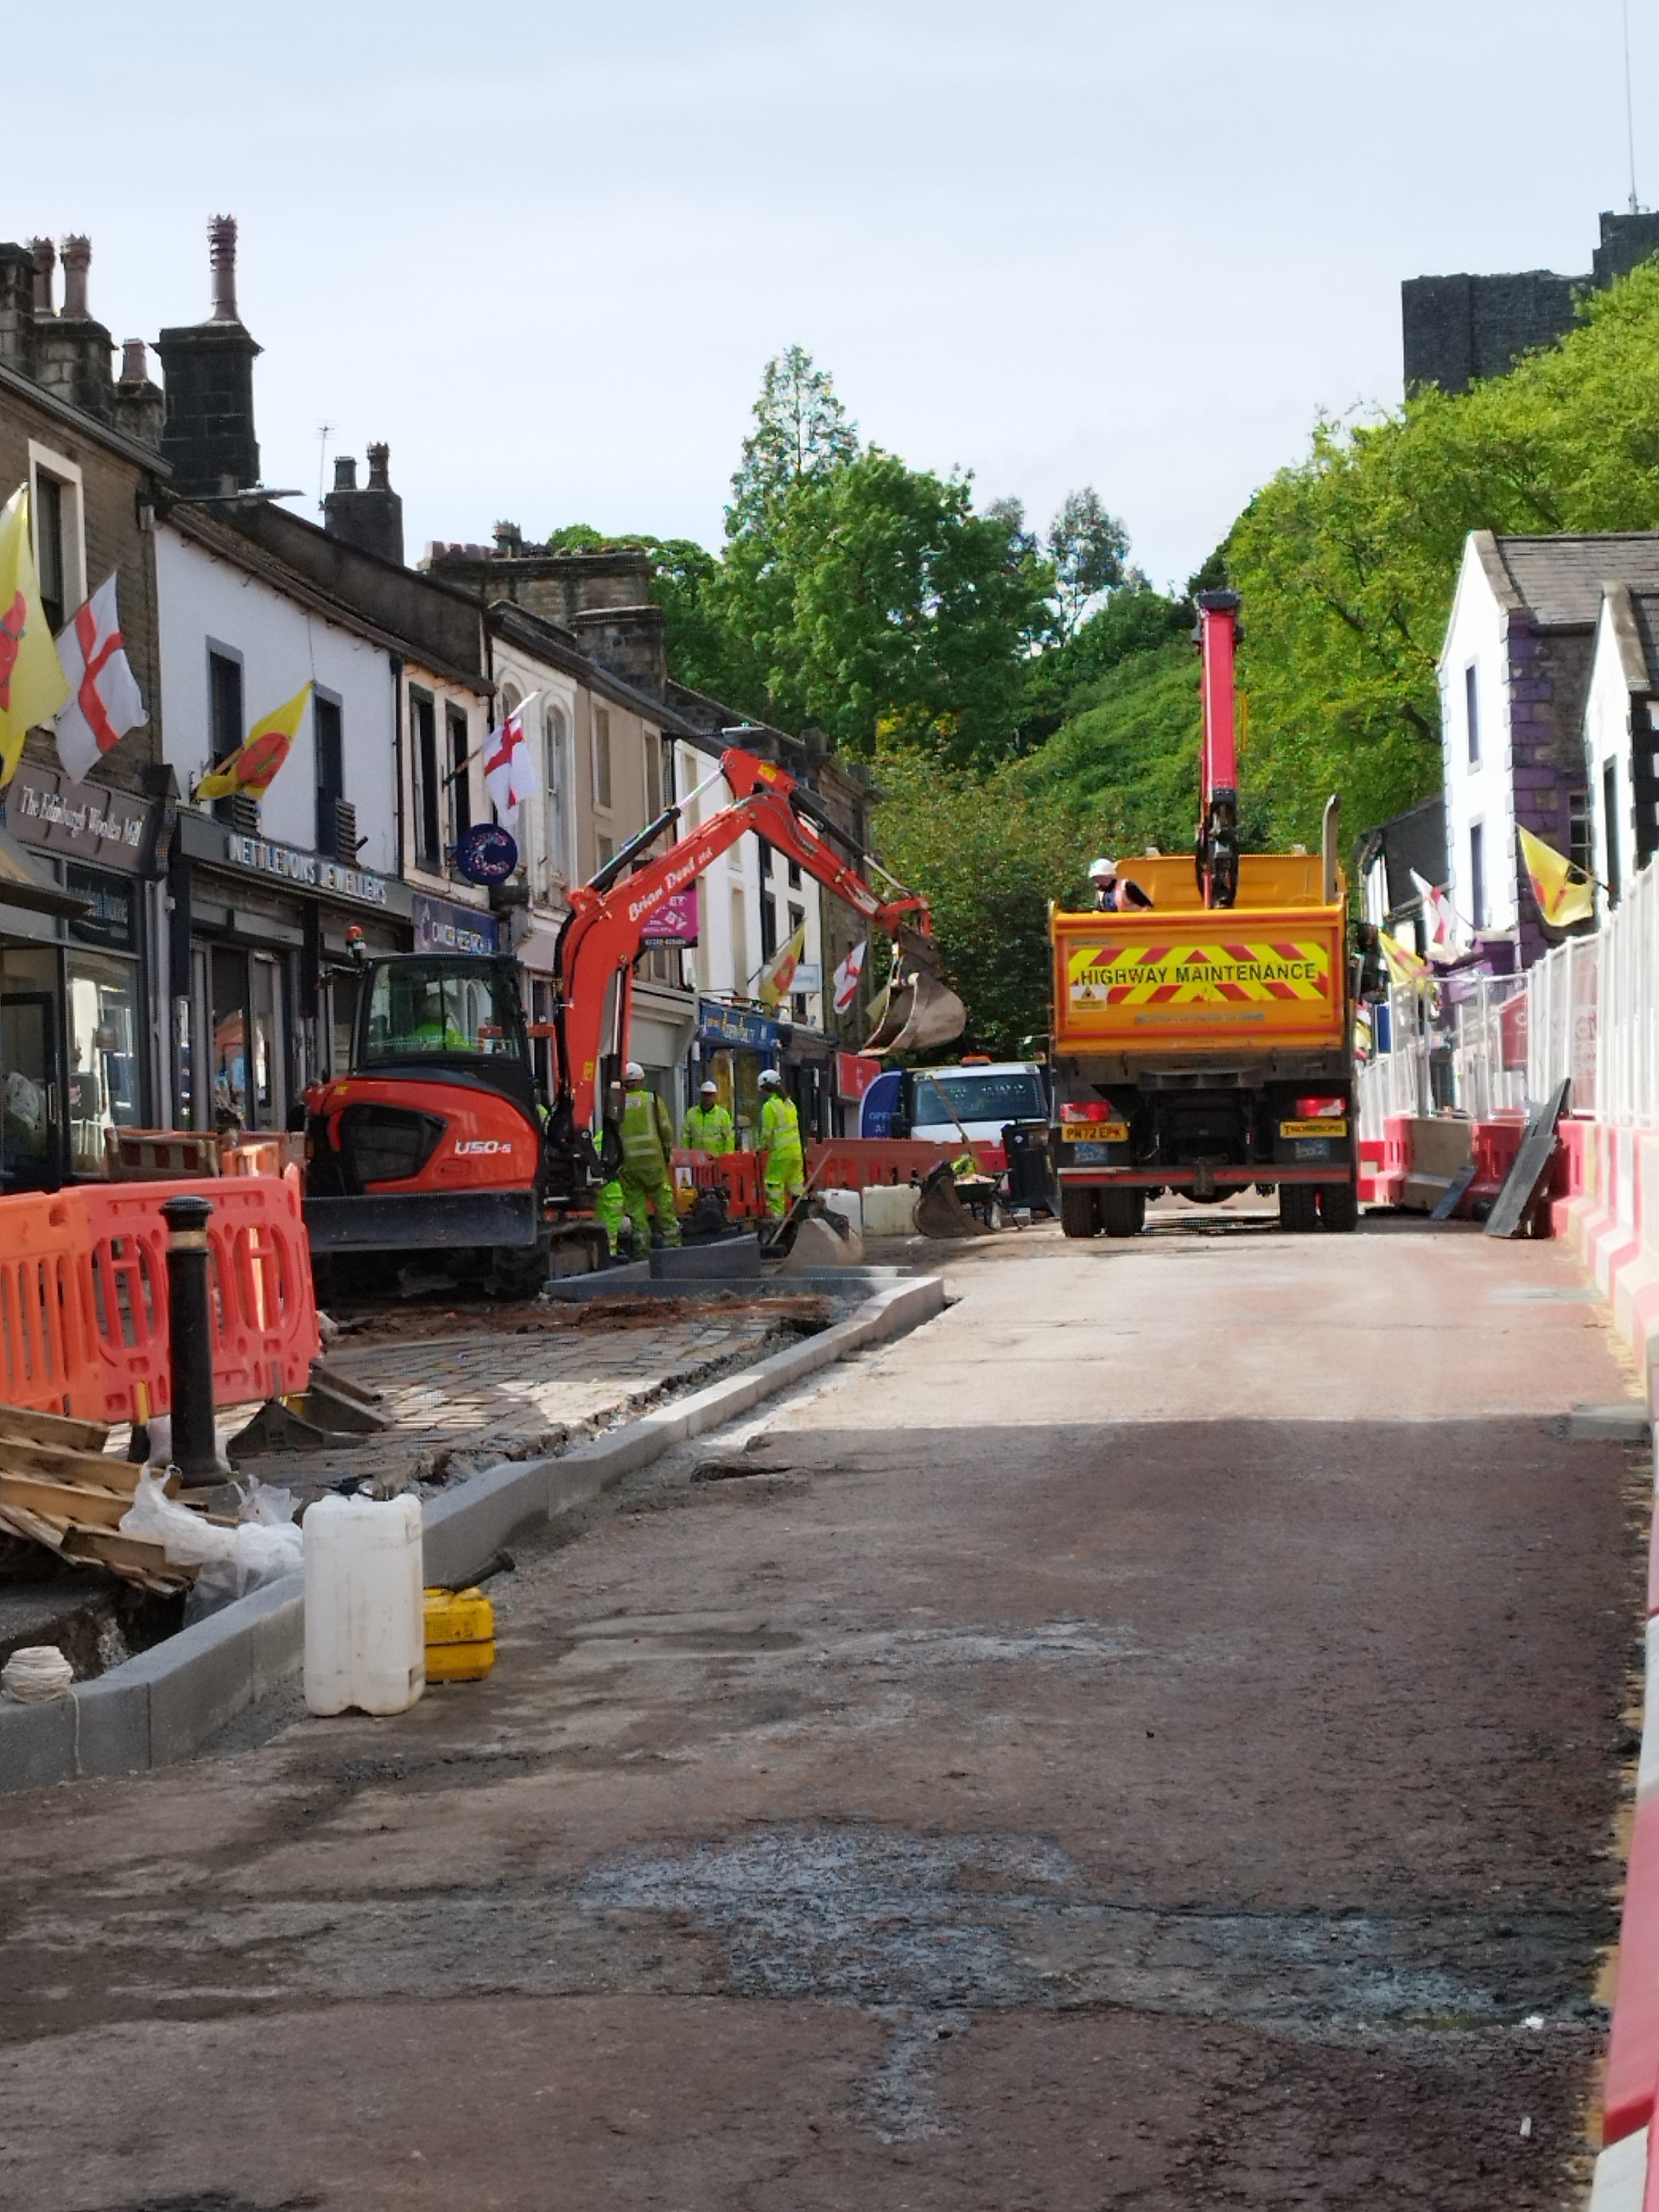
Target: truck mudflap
x,y
424,1221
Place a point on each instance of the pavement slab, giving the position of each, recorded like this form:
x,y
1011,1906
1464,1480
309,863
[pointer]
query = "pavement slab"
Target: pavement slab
x,y
1156,1736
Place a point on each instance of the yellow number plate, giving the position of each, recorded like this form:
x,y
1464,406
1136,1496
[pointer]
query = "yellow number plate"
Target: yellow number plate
x,y
1093,1132
1331,1129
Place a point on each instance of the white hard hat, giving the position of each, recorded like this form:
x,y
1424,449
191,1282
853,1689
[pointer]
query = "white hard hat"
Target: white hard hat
x,y
1101,868
770,1075
633,1073
710,1085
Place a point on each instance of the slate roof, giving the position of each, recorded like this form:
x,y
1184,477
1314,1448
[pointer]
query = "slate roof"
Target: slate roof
x,y
1559,578
1645,606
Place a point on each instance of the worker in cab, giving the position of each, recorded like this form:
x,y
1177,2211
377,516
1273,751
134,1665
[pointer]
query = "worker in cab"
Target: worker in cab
x,y
647,1139
434,1032
1114,894
708,1127
780,1140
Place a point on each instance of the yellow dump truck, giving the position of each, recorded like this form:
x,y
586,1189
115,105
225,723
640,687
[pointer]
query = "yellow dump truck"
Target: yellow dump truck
x,y
1203,1043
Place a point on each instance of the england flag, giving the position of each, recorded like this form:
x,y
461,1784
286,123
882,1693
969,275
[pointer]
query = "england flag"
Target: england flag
x,y
105,701
845,982
509,772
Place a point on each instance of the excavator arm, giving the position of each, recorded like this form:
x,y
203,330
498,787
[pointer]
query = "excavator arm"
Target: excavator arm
x,y
1217,851
605,928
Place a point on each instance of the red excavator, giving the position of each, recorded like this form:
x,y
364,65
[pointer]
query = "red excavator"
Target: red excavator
x,y
439,1143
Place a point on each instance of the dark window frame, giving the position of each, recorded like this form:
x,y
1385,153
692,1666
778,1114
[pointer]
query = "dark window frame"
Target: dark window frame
x,y
328,752
424,788
1472,714
227,730
458,745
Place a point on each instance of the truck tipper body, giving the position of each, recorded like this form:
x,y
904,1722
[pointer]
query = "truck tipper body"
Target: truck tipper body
x,y
1205,1049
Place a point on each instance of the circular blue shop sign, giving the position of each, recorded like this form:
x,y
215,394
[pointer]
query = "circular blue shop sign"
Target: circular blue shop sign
x,y
486,852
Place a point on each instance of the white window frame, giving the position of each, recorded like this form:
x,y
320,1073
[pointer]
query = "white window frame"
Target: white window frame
x,y
44,462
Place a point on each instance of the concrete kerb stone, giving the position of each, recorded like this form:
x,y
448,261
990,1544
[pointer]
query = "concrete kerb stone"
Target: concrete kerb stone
x,y
159,1706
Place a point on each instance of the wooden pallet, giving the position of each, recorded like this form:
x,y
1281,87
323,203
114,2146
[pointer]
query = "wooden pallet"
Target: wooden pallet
x,y
60,1487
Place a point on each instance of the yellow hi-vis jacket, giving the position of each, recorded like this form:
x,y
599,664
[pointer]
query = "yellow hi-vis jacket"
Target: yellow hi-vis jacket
x,y
707,1128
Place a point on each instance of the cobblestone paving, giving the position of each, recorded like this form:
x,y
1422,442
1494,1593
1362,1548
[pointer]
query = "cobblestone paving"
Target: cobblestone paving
x,y
461,1402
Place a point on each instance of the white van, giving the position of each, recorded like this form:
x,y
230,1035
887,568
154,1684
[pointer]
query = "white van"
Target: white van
x,y
982,1096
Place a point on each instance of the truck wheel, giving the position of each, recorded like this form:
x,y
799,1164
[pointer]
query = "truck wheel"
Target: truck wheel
x,y
1124,1212
1339,1206
1298,1208
1079,1212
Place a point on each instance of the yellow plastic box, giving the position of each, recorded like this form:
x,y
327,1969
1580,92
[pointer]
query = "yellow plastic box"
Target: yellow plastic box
x,y
460,1636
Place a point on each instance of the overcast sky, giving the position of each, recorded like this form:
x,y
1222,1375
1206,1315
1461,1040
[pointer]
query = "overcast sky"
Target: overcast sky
x,y
544,250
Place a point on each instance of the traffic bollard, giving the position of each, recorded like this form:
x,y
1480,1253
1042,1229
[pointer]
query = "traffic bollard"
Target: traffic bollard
x,y
190,1342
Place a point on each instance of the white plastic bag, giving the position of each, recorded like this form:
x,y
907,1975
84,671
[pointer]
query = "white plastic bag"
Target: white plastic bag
x,y
265,1544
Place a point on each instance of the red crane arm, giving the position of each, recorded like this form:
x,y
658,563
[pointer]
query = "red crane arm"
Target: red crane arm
x,y
606,927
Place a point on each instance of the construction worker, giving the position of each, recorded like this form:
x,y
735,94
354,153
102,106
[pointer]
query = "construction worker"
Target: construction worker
x,y
647,1139
780,1140
434,1032
1114,894
610,1208
707,1126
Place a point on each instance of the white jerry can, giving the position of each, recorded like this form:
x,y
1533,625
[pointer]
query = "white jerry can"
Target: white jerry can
x,y
365,1613
889,1209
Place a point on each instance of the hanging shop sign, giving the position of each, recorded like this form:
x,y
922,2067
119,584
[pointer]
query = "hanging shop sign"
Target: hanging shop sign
x,y
83,821
854,1073
440,927
486,852
718,1024
675,922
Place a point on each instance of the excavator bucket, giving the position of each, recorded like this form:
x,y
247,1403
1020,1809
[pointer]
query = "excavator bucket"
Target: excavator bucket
x,y
939,1211
918,1010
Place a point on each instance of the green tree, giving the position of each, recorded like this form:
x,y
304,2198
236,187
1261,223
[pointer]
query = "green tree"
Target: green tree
x,y
801,431
1347,562
1088,548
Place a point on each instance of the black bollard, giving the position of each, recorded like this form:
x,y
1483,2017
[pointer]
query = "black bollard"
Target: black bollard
x,y
190,1345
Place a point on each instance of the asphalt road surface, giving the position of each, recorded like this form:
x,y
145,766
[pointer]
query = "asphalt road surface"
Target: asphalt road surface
x,y
1154,1737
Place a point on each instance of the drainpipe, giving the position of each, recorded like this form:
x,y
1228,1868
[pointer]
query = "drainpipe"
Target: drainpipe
x,y
398,759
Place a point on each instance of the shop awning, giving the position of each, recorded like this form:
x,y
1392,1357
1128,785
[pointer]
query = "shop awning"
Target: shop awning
x,y
24,883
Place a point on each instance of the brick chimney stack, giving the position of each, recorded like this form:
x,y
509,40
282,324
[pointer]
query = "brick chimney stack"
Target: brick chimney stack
x,y
208,435
72,352
372,518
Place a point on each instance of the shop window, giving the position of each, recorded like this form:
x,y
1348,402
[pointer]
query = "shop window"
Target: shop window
x,y
227,727
104,1064
31,1136
602,757
423,764
331,778
461,774
245,1040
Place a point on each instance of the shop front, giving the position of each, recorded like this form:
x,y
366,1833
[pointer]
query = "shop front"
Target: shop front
x,y
263,978
734,1044
77,1055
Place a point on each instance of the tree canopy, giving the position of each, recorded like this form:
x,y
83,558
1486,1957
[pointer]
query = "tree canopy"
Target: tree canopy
x,y
1346,561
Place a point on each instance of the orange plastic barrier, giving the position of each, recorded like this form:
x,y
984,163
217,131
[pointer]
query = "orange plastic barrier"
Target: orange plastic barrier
x,y
48,1345
854,1163
741,1175
264,1310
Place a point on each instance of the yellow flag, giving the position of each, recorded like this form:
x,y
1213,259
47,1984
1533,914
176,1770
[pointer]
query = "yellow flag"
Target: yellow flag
x,y
1404,965
32,685
779,971
248,771
1565,894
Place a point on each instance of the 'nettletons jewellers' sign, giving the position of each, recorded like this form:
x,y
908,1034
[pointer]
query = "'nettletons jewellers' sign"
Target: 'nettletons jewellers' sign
x,y
104,827
309,869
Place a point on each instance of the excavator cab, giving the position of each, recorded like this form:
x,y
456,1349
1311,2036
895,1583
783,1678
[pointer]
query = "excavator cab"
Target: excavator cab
x,y
433,1141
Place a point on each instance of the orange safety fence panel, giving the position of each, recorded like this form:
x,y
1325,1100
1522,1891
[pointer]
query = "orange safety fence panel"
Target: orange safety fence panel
x,y
48,1345
262,1304
855,1163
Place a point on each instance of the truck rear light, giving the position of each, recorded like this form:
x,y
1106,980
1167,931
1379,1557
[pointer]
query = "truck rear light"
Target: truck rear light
x,y
1320,1109
1091,1110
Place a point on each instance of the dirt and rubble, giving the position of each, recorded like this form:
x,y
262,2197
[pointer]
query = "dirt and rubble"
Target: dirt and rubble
x,y
1103,1749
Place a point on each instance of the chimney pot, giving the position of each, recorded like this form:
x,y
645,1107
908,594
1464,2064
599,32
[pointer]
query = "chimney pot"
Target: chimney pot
x,y
134,365
379,458
344,472
46,260
509,539
221,251
77,258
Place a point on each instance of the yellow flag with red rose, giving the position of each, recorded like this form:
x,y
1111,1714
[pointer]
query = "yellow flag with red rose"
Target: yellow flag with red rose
x,y
32,685
248,771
